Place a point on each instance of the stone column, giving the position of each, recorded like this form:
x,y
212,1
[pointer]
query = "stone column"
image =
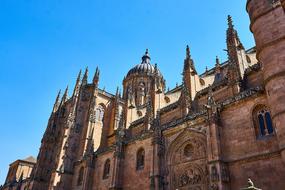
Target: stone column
x,y
156,177
118,160
219,173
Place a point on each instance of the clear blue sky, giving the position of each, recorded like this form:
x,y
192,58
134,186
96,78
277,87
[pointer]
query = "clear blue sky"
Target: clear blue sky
x,y
43,44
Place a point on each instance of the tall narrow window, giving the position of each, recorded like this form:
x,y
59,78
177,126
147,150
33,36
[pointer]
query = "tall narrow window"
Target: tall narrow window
x,y
261,124
262,121
80,176
140,159
268,122
141,94
106,171
100,113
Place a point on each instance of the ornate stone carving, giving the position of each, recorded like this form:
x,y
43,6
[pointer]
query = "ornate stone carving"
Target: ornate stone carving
x,y
189,177
85,95
225,174
214,187
214,174
77,128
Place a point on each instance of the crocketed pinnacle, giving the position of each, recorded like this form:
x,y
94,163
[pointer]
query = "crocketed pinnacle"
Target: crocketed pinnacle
x,y
85,77
96,76
65,95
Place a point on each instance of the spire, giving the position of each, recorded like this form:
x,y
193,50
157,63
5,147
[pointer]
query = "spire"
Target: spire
x,y
77,84
65,95
117,92
188,62
96,76
233,41
56,103
230,22
188,55
85,77
234,45
146,57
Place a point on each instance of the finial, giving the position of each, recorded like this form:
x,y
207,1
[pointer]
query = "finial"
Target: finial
x,y
206,69
146,57
217,61
230,22
96,76
188,55
85,77
146,51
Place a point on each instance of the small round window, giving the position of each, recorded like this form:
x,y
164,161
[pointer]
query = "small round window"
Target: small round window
x,y
188,150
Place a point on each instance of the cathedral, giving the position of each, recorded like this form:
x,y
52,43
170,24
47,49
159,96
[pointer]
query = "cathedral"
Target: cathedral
x,y
223,129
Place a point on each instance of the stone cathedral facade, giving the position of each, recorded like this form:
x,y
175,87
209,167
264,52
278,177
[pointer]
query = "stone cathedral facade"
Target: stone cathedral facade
x,y
212,132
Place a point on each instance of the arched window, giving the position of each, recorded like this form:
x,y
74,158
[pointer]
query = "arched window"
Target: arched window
x,y
80,176
262,121
141,94
188,150
140,159
106,171
100,113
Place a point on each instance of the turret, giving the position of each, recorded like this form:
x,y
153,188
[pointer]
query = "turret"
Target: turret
x,y
268,26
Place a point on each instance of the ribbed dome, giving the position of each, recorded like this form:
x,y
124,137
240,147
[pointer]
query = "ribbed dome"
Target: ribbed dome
x,y
145,67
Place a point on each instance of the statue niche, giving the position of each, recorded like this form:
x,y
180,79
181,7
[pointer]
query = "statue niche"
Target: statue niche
x,y
141,94
186,160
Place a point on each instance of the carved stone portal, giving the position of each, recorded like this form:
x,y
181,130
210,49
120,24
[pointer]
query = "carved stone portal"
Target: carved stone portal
x,y
187,162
